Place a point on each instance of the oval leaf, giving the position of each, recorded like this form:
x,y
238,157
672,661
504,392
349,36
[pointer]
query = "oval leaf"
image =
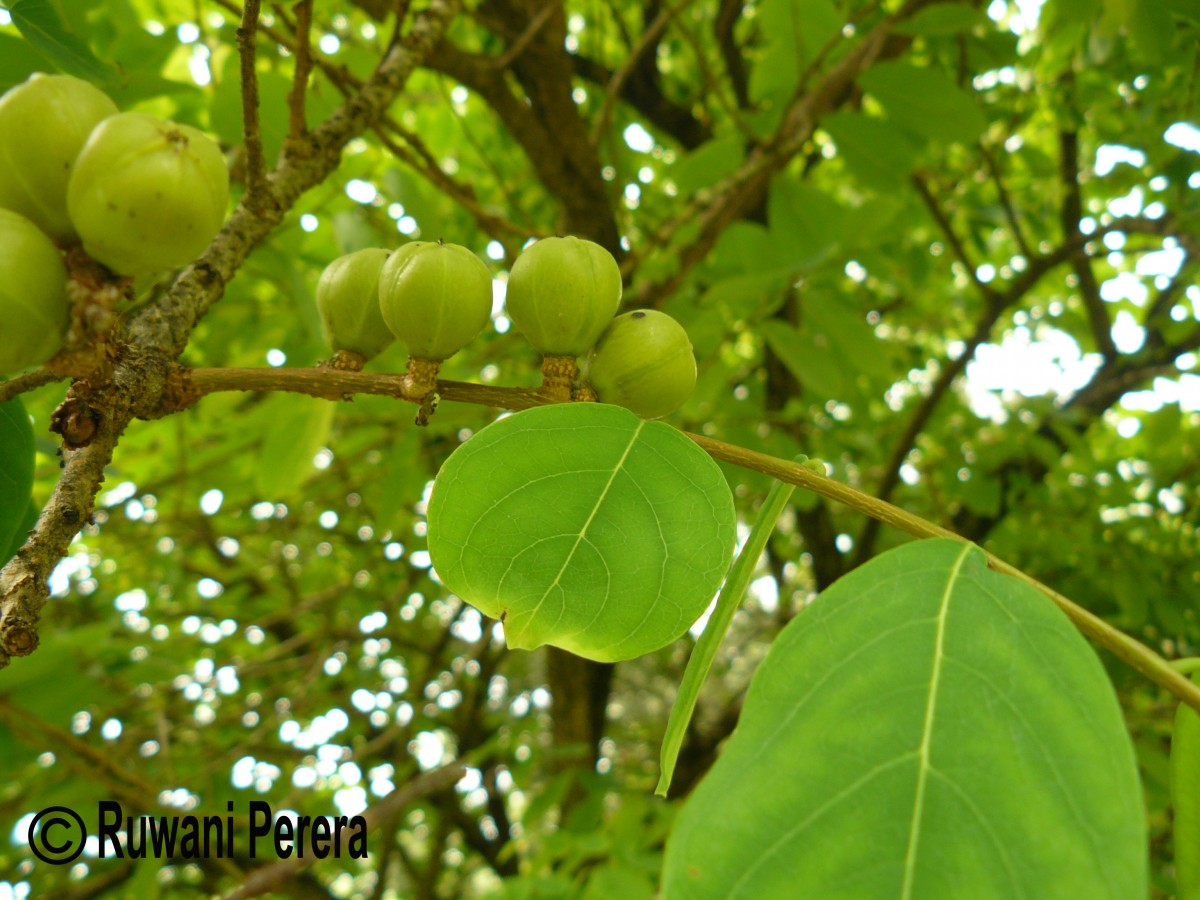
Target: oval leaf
x,y
926,729
16,471
584,527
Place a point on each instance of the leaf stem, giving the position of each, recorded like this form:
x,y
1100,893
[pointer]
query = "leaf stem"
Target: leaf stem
x,y
1130,651
710,639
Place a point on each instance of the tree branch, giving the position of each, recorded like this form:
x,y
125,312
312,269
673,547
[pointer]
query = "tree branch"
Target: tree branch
x,y
159,333
29,381
257,192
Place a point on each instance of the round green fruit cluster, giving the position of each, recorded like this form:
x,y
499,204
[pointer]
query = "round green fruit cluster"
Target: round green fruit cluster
x,y
562,295
433,297
140,194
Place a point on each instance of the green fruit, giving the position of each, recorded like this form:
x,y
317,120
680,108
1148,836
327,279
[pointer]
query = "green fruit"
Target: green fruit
x,y
435,297
33,295
643,362
44,123
147,194
348,301
562,293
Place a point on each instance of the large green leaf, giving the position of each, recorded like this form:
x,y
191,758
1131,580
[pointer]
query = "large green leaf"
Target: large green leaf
x,y
584,527
1185,799
924,101
16,470
876,152
795,32
926,729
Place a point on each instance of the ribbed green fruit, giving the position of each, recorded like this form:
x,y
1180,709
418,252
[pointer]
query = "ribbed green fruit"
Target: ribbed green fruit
x,y
33,295
562,293
435,297
147,194
44,123
644,362
348,301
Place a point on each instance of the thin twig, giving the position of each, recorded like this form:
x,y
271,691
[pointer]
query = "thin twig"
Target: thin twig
x,y
647,40
956,245
535,25
1010,211
297,124
30,381
1072,212
256,169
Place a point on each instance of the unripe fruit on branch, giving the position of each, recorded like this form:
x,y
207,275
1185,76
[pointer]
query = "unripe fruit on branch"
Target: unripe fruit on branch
x,y
435,297
147,194
44,123
644,362
348,301
33,295
562,293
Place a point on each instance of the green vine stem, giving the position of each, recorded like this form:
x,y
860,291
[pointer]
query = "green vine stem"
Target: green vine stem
x,y
705,651
1127,649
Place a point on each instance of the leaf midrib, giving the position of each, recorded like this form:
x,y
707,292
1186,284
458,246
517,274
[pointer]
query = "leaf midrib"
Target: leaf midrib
x,y
923,752
579,538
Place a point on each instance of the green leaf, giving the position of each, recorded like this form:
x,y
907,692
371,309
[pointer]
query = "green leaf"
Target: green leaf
x,y
808,222
941,19
16,471
743,296
852,340
924,101
708,163
40,23
715,628
296,427
795,32
812,365
1185,798
927,728
876,152
584,527
18,60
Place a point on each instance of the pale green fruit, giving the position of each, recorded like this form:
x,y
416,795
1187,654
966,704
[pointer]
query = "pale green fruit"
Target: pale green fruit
x,y
33,295
435,297
562,293
348,301
644,362
147,194
44,123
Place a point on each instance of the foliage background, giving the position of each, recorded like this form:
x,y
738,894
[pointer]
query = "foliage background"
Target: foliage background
x,y
845,203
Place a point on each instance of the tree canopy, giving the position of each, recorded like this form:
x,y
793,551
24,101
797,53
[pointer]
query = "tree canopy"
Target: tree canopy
x,y
946,249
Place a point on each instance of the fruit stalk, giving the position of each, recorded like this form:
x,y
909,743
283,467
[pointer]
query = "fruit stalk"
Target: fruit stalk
x,y
559,374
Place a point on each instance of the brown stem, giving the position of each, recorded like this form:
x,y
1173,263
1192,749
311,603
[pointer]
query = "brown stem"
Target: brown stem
x,y
256,169
297,126
29,381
